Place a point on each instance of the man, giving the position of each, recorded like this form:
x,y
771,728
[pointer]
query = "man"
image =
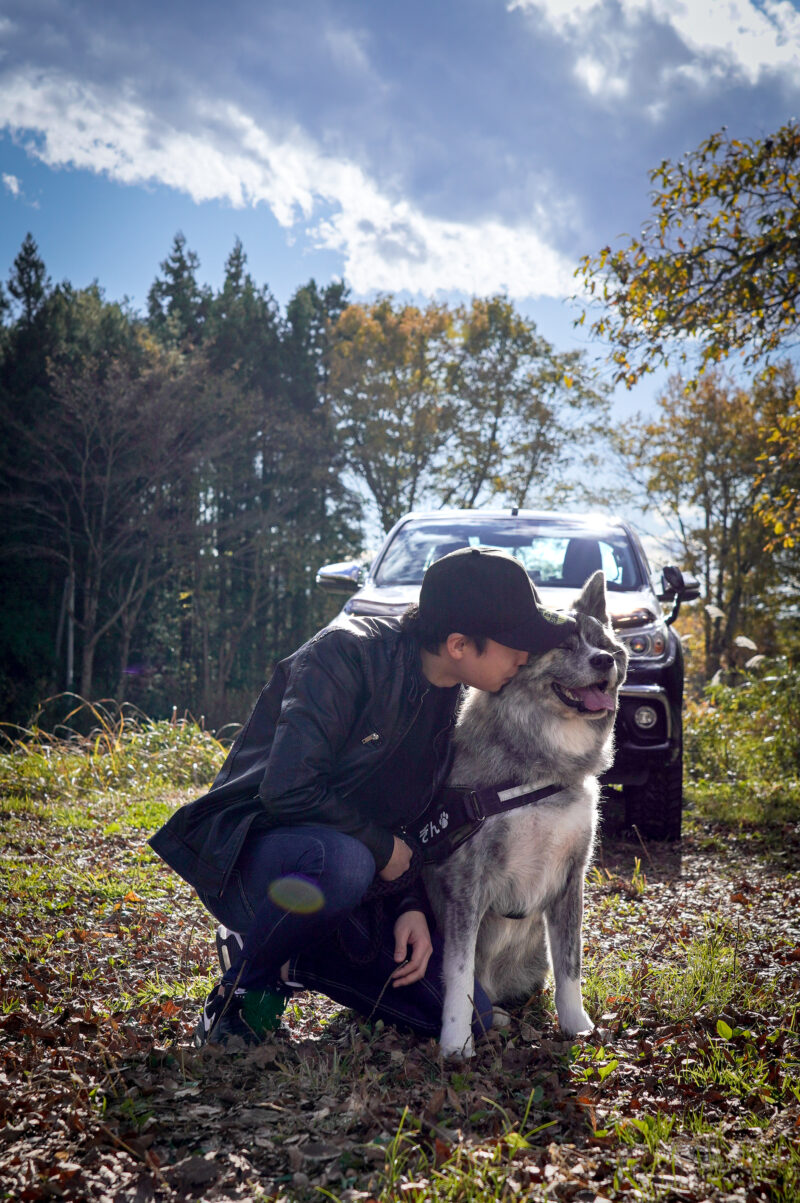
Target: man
x,y
344,750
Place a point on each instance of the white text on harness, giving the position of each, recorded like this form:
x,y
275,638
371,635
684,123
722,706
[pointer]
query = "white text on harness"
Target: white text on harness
x,y
434,827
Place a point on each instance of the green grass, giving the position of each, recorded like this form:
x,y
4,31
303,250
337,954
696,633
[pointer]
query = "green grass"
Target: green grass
x,y
697,1055
123,753
450,1174
702,976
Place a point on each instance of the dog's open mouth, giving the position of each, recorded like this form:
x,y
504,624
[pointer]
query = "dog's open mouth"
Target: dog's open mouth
x,y
587,699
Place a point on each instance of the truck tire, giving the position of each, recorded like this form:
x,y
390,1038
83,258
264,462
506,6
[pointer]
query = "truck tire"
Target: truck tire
x,y
656,808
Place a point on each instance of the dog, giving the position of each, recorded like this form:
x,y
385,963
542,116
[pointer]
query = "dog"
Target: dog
x,y
516,886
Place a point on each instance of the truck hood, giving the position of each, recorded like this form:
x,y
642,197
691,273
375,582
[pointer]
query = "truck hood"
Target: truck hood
x,y
626,609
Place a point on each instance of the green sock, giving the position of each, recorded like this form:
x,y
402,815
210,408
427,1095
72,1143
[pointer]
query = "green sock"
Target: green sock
x,y
262,1010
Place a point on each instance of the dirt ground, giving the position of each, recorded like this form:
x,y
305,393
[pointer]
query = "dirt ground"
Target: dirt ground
x,y
688,1089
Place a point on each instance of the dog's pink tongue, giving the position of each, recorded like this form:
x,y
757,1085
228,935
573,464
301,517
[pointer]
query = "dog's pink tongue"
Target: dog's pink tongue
x,y
594,698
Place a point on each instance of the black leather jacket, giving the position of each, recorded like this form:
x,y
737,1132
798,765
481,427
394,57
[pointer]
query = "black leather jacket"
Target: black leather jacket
x,y
328,719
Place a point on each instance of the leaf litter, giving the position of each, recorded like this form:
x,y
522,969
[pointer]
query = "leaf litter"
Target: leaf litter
x,y
688,1089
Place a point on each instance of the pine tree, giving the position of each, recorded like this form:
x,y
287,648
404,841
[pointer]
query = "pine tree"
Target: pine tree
x,y
177,305
28,281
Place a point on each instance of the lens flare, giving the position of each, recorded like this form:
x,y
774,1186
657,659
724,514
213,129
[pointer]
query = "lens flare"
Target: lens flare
x,y
297,895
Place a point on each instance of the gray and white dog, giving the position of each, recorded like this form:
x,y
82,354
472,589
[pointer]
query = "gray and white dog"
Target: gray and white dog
x,y
516,886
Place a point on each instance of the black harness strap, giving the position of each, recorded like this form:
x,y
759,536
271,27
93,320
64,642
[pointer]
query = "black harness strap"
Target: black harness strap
x,y
457,812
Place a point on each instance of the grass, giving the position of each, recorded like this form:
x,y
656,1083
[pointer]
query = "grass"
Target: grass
x,y
687,1088
122,752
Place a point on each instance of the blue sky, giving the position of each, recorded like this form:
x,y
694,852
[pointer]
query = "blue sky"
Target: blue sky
x,y
437,149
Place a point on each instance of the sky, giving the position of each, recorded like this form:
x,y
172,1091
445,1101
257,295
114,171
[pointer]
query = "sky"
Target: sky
x,y
435,149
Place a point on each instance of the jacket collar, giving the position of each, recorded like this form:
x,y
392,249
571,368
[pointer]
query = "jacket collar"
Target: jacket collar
x,y
417,682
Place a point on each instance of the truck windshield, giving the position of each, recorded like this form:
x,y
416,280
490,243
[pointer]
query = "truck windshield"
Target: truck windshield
x,y
553,554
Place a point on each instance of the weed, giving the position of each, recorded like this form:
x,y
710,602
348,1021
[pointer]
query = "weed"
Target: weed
x,y
124,751
610,883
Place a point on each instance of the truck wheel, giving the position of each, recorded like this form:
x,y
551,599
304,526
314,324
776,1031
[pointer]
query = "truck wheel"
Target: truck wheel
x,y
656,807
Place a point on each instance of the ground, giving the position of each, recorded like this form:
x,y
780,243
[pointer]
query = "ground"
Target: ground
x,y
688,1089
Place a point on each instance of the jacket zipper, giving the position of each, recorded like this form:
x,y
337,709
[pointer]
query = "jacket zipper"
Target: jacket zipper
x,y
420,813
389,750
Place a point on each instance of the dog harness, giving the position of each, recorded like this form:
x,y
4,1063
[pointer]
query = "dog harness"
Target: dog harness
x,y
457,812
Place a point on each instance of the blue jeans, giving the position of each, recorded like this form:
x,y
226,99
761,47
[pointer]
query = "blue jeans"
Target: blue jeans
x,y
291,888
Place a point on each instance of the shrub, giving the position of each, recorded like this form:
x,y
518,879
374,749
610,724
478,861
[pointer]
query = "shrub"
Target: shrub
x,y
747,731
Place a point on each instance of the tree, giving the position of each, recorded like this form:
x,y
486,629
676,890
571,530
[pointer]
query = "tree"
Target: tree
x,y
182,476
95,489
176,303
388,398
522,413
53,328
718,261
310,315
456,406
698,463
778,501
28,282
272,506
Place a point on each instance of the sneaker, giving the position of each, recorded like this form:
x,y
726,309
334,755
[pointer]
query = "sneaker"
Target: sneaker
x,y
222,1018
229,946
248,1014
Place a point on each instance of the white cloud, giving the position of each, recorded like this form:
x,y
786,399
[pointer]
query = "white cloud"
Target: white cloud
x,y
12,184
599,81
386,242
751,38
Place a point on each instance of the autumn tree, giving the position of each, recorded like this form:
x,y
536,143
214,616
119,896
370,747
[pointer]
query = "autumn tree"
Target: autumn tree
x,y
522,414
718,261
778,500
388,398
698,463
456,406
715,271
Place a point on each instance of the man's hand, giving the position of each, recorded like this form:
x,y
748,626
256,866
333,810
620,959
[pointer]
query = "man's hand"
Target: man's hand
x,y
398,862
412,944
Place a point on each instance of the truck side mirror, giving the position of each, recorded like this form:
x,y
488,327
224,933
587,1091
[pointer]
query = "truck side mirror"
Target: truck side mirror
x,y
677,587
675,583
345,577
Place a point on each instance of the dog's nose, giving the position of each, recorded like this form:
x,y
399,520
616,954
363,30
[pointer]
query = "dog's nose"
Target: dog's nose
x,y
602,661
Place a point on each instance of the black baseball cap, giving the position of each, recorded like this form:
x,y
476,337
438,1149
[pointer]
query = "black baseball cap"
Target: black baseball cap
x,y
482,591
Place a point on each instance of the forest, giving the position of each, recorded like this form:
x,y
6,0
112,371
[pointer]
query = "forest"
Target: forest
x,y
171,482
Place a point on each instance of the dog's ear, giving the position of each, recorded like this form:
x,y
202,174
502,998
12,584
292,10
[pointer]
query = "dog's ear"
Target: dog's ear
x,y
592,600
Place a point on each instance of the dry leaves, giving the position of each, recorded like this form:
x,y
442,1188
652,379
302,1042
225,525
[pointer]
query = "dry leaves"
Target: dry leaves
x,y
102,1097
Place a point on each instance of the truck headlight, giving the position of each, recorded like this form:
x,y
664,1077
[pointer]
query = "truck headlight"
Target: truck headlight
x,y
648,642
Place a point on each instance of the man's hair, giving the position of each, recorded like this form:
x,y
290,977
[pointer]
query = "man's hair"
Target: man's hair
x,y
431,632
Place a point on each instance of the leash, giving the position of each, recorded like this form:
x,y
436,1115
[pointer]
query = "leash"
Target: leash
x,y
374,898
458,812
